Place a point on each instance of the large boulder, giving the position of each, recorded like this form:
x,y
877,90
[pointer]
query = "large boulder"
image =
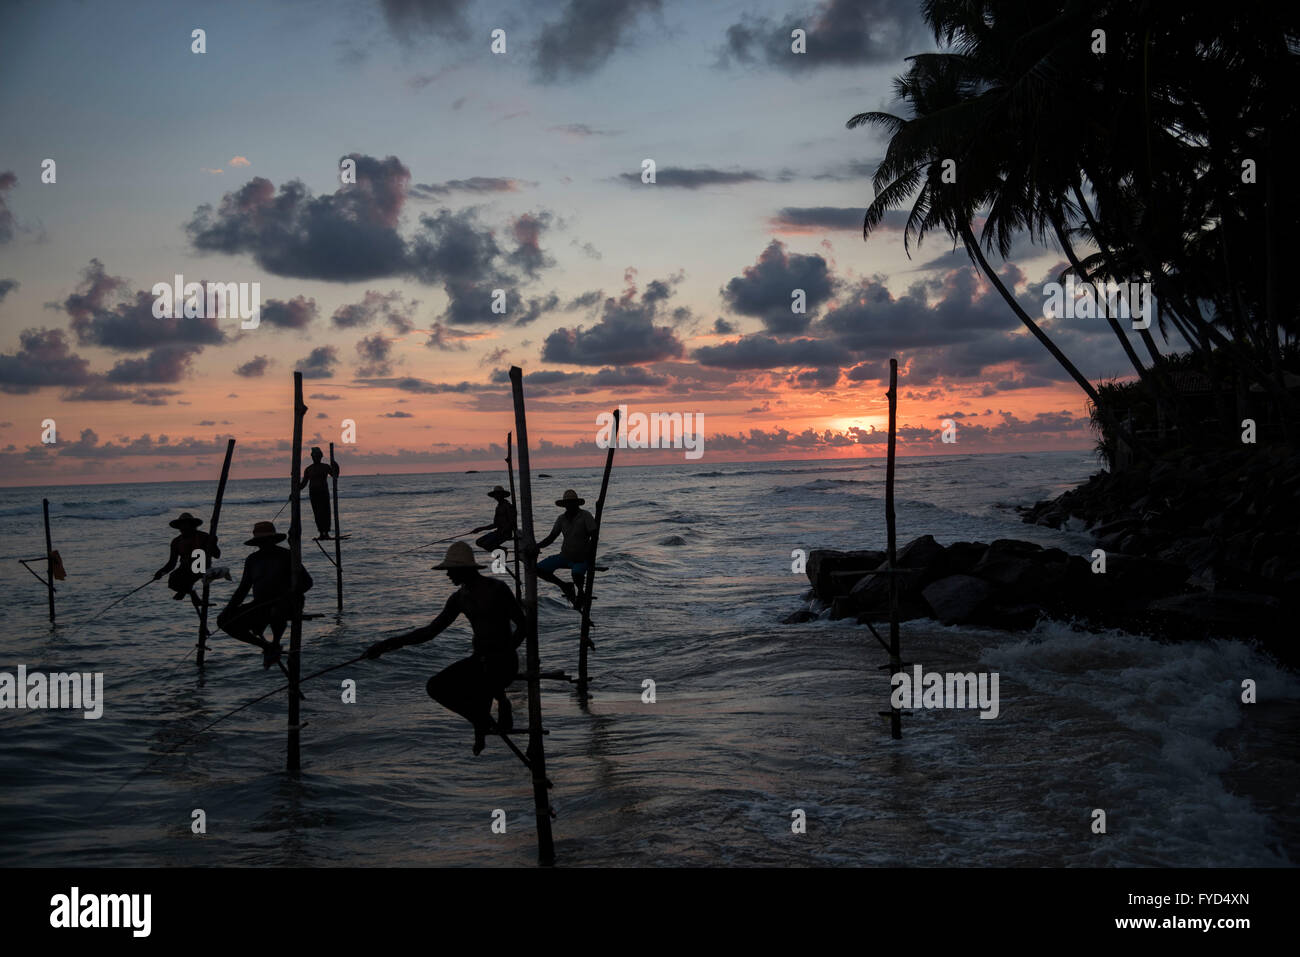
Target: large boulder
x,y
1216,614
957,599
918,565
835,572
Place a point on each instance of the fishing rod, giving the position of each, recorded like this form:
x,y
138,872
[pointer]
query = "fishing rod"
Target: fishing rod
x,y
229,714
439,541
286,502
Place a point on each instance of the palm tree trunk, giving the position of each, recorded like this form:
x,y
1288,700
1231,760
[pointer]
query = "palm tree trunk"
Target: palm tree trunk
x,y
973,247
1110,320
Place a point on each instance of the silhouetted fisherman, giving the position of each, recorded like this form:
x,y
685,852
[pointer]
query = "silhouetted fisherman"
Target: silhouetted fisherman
x,y
577,525
183,547
468,686
503,522
267,573
318,475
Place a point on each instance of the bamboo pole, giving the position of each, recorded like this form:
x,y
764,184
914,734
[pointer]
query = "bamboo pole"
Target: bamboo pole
x,y
338,546
895,656
49,557
295,553
528,543
514,502
212,530
590,578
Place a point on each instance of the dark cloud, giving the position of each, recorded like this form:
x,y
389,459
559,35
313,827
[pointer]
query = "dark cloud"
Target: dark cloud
x,y
695,177
625,335
585,301
475,184
406,16
722,327
447,339
169,363
320,363
765,352
810,218
839,33
375,353
44,357
423,386
6,287
527,254
392,307
105,312
350,234
254,367
816,219
8,180
765,290
296,313
399,414
586,36
324,396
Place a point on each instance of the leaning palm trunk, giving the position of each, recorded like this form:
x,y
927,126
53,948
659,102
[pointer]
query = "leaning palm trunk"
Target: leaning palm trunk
x,y
973,247
1110,319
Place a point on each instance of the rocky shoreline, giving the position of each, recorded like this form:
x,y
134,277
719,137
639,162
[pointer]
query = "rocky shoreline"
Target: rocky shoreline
x,y
1194,546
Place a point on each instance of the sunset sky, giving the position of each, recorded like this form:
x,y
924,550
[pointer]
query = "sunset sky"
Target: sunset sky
x,y
477,171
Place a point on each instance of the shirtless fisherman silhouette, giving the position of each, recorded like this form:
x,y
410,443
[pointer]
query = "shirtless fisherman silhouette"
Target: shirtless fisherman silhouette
x,y
468,686
266,574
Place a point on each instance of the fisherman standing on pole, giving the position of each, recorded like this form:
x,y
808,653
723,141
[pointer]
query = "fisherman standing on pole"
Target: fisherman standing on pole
x,y
468,686
318,474
503,522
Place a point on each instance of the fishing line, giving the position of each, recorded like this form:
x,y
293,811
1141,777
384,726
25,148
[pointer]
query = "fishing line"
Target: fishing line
x,y
439,541
213,724
78,626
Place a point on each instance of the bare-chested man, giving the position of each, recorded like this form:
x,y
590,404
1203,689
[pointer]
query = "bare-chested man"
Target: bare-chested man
x,y
468,686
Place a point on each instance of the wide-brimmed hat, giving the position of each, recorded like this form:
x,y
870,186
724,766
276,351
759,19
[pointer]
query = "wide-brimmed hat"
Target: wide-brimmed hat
x,y
264,533
185,520
570,497
459,555
499,492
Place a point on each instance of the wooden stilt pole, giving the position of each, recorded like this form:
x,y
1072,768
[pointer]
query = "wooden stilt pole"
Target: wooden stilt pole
x,y
338,534
49,557
515,502
207,564
528,544
295,552
895,655
589,580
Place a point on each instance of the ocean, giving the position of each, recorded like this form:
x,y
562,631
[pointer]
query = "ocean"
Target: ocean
x,y
752,720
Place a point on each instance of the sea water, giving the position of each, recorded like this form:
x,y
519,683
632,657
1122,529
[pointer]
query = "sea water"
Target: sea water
x,y
751,721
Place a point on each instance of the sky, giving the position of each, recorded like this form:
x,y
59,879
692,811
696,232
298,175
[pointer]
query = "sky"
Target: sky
x,y
477,171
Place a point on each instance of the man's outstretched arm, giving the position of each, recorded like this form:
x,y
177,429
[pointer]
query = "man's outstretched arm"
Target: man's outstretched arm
x,y
420,635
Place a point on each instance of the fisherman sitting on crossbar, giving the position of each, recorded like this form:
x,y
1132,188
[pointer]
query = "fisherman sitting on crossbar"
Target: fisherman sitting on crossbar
x,y
468,686
267,574
577,525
